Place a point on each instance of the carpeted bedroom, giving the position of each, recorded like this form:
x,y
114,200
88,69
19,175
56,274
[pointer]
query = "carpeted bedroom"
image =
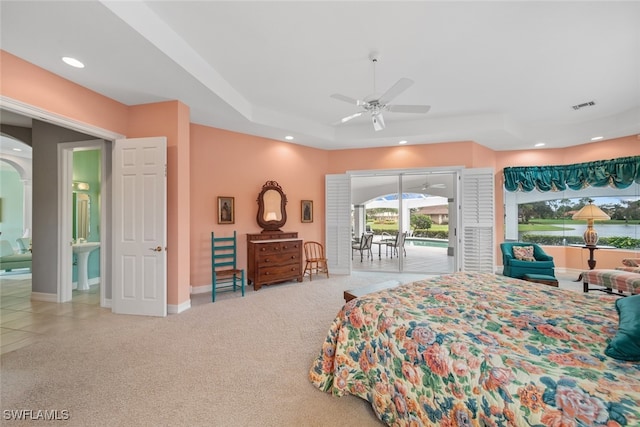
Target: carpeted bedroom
x,y
240,361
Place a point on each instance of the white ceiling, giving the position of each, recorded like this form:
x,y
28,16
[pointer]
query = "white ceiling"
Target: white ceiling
x,y
504,74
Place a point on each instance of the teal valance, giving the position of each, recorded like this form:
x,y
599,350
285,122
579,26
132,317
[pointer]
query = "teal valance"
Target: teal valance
x,y
618,173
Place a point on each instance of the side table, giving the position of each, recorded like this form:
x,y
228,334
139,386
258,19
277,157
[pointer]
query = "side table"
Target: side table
x,y
591,262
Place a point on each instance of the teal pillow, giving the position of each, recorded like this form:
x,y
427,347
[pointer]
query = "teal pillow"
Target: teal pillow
x,y
625,345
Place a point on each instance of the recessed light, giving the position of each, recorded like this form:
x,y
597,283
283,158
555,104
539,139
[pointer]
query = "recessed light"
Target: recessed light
x,y
539,144
597,138
288,137
17,149
72,61
404,141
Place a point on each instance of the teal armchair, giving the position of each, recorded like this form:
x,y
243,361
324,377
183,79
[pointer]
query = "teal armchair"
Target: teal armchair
x,y
513,267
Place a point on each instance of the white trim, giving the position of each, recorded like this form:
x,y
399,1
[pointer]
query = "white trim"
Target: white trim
x,y
19,107
65,271
177,309
42,296
201,289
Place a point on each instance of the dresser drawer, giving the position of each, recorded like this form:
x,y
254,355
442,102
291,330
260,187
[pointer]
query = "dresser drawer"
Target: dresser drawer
x,y
269,248
267,259
278,273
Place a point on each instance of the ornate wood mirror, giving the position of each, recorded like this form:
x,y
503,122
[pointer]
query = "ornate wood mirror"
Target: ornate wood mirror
x,y
271,207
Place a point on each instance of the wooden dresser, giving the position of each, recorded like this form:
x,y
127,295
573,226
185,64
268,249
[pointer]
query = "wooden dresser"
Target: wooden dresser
x,y
273,257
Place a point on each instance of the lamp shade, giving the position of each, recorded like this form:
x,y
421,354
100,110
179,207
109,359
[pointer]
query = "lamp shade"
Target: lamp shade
x,y
591,211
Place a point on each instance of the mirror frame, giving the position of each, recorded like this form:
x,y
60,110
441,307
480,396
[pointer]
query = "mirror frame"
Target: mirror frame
x,y
273,225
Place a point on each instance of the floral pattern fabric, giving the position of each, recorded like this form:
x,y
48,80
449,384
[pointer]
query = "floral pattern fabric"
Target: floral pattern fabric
x,y
523,253
480,350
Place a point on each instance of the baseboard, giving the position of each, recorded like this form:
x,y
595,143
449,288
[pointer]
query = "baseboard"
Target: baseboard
x,y
177,309
201,289
41,296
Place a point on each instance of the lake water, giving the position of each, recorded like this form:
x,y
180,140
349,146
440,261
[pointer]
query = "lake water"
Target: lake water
x,y
612,230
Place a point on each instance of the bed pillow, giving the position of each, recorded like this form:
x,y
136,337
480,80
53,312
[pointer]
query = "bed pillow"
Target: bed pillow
x,y
625,345
523,253
631,262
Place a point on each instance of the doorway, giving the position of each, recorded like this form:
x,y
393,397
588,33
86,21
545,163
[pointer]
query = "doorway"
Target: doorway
x,y
83,219
412,216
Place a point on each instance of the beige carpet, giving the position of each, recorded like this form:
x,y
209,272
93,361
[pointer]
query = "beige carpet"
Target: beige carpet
x,y
237,362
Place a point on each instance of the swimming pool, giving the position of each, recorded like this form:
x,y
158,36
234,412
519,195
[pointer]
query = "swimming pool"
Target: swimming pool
x,y
435,243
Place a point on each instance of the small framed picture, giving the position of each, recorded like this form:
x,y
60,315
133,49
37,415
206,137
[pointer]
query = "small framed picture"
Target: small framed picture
x,y
306,209
226,210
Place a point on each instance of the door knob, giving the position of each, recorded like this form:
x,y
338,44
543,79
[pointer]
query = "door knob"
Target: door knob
x,y
156,249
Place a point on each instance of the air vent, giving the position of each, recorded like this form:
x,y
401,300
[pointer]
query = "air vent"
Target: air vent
x,y
583,105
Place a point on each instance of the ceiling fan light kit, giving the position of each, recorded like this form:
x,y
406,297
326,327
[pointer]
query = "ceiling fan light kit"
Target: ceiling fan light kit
x,y
375,106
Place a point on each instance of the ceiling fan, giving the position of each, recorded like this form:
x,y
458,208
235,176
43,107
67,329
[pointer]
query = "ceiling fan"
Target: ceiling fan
x,y
375,106
426,186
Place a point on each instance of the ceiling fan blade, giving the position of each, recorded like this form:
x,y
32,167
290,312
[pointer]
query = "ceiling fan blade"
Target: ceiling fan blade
x,y
347,118
347,99
395,90
408,108
353,116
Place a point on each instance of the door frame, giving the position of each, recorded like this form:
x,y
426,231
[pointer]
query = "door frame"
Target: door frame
x,y
399,175
65,217
38,113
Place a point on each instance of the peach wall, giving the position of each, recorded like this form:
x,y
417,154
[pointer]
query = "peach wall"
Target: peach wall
x,y
467,153
24,82
575,258
171,119
235,165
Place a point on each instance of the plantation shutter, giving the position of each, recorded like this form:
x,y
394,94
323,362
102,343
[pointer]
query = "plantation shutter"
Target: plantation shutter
x,y
338,223
477,220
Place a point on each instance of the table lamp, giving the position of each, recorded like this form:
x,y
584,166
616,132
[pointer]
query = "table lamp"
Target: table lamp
x,y
590,212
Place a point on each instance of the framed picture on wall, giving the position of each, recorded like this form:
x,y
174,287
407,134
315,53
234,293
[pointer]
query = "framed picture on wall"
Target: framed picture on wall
x,y
306,209
226,210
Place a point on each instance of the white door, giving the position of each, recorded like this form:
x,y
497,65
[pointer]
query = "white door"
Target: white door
x,y
139,226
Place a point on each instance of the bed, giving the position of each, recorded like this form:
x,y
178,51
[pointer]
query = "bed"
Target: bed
x,y
481,350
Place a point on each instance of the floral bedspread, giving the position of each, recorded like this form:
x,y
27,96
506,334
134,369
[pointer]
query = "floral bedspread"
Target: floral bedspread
x,y
480,350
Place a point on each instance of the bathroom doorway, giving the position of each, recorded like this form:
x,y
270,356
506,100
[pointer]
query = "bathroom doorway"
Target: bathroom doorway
x,y
83,220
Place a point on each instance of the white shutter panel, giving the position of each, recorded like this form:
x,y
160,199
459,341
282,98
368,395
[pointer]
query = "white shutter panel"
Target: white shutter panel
x,y
477,220
338,223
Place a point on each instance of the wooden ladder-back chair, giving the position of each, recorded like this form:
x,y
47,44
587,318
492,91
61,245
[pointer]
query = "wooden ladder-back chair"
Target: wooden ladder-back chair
x,y
315,259
224,270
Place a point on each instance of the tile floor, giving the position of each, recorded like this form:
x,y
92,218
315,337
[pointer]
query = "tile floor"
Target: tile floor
x,y
22,321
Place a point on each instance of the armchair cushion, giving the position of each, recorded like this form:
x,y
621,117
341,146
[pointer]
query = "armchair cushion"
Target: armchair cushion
x,y
625,345
523,253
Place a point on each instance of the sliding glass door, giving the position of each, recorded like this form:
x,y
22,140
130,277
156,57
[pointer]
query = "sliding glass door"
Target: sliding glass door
x,y
408,213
